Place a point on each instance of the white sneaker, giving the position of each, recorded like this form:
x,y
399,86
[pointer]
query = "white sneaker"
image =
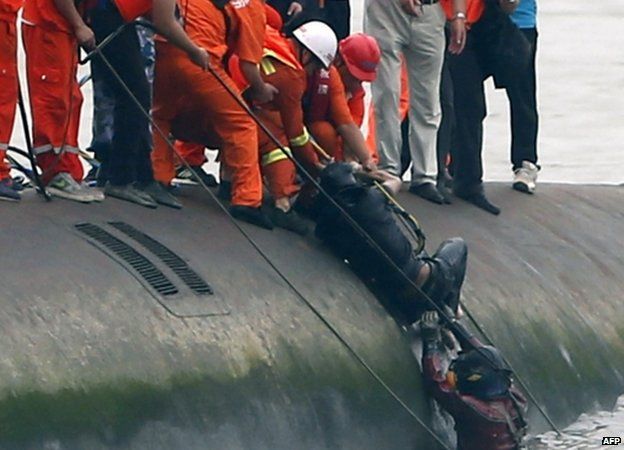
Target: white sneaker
x,y
525,177
64,186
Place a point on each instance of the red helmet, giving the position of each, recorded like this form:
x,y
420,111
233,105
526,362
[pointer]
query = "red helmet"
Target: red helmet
x,y
361,54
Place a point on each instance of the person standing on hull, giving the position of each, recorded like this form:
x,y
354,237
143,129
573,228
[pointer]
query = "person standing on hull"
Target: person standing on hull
x,y
52,31
476,390
523,103
192,103
439,276
127,164
9,95
494,47
413,29
286,64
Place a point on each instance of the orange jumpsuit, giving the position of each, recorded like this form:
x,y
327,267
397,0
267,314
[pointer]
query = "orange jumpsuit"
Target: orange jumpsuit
x,y
8,76
193,105
283,116
282,69
55,97
327,109
191,153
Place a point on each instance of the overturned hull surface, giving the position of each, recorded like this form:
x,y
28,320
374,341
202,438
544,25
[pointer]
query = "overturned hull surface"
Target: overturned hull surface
x,y
128,328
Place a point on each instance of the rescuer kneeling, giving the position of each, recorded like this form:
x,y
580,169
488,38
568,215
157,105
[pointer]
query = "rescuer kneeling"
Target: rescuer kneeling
x,y
476,390
395,237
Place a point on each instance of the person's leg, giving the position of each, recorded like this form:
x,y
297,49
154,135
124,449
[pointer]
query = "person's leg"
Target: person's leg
x,y
524,120
389,25
8,92
448,270
447,125
102,127
55,99
523,104
406,155
424,56
469,102
470,110
130,144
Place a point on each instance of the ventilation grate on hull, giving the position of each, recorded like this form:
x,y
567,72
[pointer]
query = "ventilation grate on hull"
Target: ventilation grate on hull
x,y
150,273
173,261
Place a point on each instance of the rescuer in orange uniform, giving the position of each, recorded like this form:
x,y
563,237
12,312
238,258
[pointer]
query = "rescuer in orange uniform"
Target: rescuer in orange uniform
x,y
128,167
286,65
8,90
334,96
52,31
192,104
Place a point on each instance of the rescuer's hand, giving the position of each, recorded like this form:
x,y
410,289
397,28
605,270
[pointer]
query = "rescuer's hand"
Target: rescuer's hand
x,y
85,37
458,35
264,93
411,7
369,165
200,57
430,326
294,9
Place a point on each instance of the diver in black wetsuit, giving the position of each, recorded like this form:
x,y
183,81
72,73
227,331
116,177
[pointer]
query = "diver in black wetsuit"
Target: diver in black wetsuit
x,y
439,276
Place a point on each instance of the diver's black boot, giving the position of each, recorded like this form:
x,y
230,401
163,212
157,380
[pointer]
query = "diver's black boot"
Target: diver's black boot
x,y
251,215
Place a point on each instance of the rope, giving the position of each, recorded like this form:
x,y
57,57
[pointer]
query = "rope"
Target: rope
x,y
349,219
266,258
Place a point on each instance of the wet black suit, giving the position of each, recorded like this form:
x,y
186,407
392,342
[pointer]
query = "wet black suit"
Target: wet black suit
x,y
372,211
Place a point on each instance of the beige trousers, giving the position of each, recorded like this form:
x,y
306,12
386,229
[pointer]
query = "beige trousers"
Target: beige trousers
x,y
420,40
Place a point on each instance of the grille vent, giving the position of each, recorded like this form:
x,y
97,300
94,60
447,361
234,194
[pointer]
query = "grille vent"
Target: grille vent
x,y
167,256
150,273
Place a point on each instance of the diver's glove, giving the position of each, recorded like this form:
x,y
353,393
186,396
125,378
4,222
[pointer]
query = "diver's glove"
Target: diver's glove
x,y
430,327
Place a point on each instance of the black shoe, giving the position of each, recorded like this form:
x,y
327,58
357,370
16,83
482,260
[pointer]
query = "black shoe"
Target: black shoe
x,y
160,194
130,193
427,191
480,200
288,220
254,216
225,191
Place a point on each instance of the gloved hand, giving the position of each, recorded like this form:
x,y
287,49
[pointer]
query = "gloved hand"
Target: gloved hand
x,y
430,327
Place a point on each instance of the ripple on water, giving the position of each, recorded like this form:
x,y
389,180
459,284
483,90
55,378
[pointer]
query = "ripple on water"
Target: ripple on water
x,y
586,433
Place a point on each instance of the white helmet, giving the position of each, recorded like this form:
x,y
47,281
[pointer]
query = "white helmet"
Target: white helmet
x,y
319,39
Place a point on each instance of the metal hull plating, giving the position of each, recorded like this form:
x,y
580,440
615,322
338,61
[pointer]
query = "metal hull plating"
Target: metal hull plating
x,y
94,357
